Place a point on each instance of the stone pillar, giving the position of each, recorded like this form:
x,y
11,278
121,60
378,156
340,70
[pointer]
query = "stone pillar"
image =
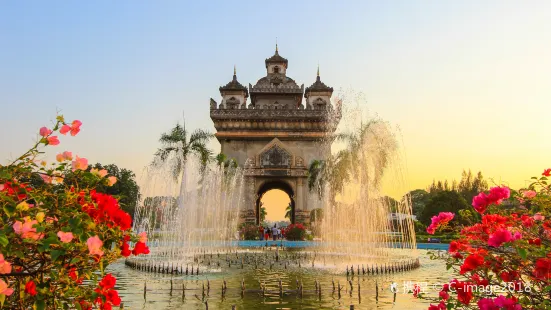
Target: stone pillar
x,y
302,214
248,214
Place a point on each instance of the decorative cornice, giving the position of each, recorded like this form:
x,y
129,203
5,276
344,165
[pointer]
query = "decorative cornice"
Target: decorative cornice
x,y
265,114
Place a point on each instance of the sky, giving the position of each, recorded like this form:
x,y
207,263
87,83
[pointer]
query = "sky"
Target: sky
x,y
466,82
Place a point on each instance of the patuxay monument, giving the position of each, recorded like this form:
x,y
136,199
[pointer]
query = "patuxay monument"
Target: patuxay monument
x,y
274,134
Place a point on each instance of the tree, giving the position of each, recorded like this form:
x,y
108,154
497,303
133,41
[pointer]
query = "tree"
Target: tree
x,y
419,199
316,215
263,213
367,146
176,145
125,189
289,212
444,201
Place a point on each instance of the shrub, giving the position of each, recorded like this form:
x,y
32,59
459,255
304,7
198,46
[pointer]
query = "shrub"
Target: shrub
x,y
53,235
295,232
507,249
250,232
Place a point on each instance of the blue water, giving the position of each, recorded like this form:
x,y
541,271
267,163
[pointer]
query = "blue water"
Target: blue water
x,y
304,244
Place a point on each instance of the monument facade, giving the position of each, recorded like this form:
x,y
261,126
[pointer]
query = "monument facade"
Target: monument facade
x,y
274,130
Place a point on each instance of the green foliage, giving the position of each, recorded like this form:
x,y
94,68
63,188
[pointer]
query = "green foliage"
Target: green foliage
x,y
295,232
336,170
263,213
57,229
250,232
442,201
419,199
177,146
316,215
289,211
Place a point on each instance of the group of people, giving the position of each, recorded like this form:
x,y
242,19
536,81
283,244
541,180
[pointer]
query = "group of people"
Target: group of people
x,y
266,233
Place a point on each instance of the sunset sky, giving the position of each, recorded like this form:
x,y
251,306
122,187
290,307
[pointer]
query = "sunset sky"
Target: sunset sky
x,y
468,83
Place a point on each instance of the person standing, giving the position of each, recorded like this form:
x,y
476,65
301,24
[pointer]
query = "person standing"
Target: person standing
x,y
261,231
267,234
274,232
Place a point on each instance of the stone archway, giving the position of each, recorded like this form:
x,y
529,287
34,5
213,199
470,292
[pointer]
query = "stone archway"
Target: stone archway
x,y
274,184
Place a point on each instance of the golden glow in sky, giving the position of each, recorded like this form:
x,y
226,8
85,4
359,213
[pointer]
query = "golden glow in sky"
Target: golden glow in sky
x,y
275,201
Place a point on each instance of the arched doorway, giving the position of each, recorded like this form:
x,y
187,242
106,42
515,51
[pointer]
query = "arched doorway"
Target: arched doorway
x,y
275,185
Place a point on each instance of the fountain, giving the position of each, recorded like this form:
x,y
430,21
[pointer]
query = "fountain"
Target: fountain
x,y
193,221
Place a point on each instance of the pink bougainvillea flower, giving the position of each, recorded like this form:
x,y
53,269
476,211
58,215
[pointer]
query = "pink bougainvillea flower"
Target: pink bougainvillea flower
x,y
44,131
74,128
112,180
101,173
539,217
438,220
94,245
4,290
64,129
65,237
529,194
68,155
546,172
143,237
26,230
52,140
46,178
59,158
5,266
80,164
496,196
499,237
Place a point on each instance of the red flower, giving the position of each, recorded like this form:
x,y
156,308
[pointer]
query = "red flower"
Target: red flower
x,y
536,241
125,250
30,288
108,282
444,295
113,297
546,172
463,290
543,269
472,262
440,306
509,276
140,248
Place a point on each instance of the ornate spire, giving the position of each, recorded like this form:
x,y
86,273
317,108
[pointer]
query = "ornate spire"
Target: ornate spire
x,y
276,46
235,71
318,69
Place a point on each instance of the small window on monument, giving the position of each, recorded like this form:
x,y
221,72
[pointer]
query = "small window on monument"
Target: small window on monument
x,y
276,69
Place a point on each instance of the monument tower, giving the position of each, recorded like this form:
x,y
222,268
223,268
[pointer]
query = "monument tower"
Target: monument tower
x,y
276,135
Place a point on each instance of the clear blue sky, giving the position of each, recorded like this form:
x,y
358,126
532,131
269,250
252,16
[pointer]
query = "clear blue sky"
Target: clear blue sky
x,y
468,82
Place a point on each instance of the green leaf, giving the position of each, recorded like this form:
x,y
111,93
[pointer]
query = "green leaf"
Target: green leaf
x,y
4,241
9,209
55,254
2,299
40,305
74,260
522,252
5,174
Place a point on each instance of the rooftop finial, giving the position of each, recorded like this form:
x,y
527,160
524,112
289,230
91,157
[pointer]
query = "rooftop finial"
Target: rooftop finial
x,y
276,46
234,71
318,69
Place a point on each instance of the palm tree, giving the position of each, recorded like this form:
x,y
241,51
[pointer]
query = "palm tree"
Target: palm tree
x,y
289,212
263,213
176,145
369,146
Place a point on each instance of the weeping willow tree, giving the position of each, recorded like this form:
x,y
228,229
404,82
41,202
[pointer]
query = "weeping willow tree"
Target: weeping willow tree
x,y
177,146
